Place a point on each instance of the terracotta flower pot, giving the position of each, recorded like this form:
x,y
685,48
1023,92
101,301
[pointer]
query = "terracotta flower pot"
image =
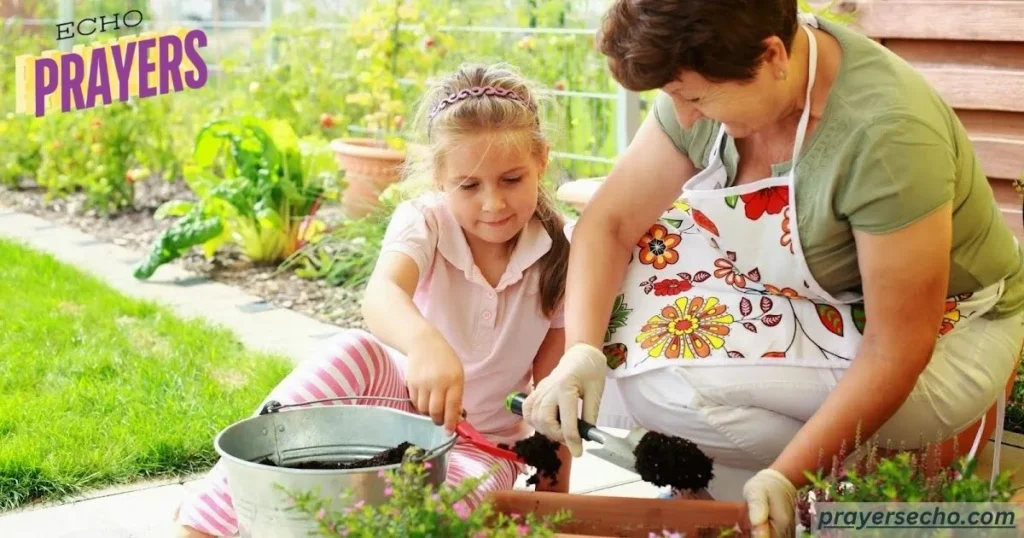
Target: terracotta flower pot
x,y
370,166
600,516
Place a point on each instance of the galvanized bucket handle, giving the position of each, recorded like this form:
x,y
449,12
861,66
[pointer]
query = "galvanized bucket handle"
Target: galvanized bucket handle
x,y
273,406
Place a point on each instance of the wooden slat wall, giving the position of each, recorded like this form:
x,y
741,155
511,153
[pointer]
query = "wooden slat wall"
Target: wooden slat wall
x,y
972,51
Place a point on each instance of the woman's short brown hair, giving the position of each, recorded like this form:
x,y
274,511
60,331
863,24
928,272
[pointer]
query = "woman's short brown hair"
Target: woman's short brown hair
x,y
649,43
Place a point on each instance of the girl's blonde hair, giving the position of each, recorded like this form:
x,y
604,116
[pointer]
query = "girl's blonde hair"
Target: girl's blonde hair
x,y
512,110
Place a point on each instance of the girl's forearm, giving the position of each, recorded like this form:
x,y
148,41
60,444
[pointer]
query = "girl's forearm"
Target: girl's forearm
x,y
392,317
561,483
888,376
596,268
547,359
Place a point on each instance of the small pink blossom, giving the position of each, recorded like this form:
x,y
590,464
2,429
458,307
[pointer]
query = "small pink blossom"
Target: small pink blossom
x,y
320,514
435,497
515,516
359,505
380,474
427,465
523,530
388,491
462,511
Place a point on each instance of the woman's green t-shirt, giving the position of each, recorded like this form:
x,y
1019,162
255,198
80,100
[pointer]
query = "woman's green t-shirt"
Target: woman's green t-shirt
x,y
887,152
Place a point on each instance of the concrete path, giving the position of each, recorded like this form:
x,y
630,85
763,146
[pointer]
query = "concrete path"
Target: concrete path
x,y
145,509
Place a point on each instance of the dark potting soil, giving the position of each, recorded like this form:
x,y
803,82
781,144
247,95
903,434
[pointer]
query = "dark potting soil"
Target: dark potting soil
x,y
390,456
540,453
664,460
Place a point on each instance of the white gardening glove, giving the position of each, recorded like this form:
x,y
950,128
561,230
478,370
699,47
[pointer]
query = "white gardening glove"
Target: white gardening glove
x,y
552,407
771,504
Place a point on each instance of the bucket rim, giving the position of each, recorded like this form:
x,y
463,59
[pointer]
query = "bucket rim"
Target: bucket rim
x,y
433,453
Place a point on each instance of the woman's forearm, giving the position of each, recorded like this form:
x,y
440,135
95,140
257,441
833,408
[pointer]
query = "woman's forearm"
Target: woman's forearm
x,y
888,376
904,275
597,265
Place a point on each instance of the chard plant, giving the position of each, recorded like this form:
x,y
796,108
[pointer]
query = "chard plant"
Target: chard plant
x,y
257,187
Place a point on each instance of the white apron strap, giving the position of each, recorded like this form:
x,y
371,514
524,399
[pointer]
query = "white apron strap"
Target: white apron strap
x,y
716,148
997,449
805,118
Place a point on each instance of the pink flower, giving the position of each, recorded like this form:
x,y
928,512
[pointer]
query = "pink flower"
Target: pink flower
x,y
388,491
380,474
427,465
515,516
355,507
462,510
320,514
344,532
435,497
523,530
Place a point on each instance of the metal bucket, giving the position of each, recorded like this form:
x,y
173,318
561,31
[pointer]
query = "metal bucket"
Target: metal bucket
x,y
320,433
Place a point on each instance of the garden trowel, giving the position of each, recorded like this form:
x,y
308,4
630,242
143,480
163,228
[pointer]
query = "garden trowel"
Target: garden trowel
x,y
614,449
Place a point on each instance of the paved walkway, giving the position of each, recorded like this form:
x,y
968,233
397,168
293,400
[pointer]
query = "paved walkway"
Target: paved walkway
x,y
145,509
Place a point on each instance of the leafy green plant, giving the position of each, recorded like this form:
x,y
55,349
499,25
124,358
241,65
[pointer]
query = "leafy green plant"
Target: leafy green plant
x,y
20,149
310,96
903,477
344,256
398,45
91,151
256,182
417,509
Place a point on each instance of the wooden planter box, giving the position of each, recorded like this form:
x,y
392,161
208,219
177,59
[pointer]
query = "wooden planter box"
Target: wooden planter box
x,y
599,516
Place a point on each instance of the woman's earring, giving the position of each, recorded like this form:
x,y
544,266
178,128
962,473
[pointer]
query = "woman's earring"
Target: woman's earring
x,y
782,75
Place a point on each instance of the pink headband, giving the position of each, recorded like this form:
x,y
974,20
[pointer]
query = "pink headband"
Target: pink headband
x,y
476,91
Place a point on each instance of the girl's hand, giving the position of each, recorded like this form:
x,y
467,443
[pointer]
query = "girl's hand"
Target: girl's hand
x,y
435,380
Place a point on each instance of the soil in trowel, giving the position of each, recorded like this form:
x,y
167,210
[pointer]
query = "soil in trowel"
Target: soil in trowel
x,y
664,460
390,456
540,453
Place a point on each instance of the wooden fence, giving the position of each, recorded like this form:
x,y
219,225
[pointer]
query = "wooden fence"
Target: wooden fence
x,y
972,51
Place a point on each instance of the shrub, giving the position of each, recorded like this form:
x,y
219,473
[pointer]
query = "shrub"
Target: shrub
x,y
417,509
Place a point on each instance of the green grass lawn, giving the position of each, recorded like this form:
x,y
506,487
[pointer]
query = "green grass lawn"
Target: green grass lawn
x,y
98,388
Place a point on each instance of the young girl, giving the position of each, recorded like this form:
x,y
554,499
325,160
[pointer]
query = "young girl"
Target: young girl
x,y
464,305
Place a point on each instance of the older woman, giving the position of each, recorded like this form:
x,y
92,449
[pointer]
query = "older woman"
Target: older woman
x,y
804,249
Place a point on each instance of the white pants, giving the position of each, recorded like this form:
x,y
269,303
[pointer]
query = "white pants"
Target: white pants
x,y
743,417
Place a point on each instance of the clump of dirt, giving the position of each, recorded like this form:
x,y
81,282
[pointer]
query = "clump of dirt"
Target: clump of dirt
x,y
390,456
540,453
664,460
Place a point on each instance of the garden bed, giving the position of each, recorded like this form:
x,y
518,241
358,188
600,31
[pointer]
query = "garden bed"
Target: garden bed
x,y
136,229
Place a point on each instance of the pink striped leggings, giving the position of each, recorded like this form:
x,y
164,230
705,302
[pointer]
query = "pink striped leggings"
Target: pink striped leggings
x,y
352,364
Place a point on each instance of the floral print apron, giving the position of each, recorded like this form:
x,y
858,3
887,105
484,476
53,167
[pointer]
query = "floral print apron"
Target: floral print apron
x,y
721,279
